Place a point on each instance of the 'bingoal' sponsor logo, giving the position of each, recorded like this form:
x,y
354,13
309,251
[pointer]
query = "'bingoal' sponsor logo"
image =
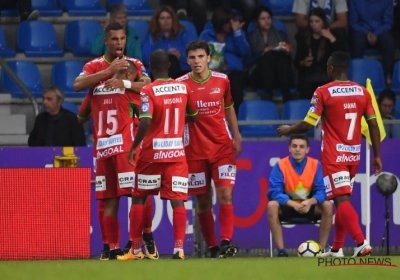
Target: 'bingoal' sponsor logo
x,y
170,154
345,158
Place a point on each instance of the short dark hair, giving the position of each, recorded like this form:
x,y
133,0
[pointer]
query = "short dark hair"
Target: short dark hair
x,y
197,45
113,26
340,61
300,137
388,94
131,68
260,9
159,60
117,9
221,15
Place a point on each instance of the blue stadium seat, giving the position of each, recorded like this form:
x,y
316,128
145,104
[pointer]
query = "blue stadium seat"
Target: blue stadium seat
x,y
279,25
64,74
363,68
79,35
252,110
190,29
47,8
279,7
71,107
296,110
83,7
395,79
5,51
28,72
135,7
141,27
37,39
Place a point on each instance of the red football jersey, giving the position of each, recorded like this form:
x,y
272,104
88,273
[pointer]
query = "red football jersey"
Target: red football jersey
x,y
341,106
209,137
100,63
112,110
166,101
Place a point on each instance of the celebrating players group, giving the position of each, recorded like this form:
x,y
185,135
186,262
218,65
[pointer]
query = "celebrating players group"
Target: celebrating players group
x,y
169,137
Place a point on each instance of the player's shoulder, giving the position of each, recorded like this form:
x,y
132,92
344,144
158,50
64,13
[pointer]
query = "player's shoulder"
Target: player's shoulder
x,y
183,78
97,60
342,88
94,64
219,75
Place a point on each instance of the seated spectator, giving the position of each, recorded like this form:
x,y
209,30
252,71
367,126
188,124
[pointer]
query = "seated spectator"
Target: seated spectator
x,y
370,24
56,127
297,190
165,32
118,13
228,46
24,8
271,58
315,44
197,10
386,103
335,12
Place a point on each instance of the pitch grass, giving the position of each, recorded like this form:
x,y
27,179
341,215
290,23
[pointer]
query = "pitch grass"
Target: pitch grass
x,y
191,269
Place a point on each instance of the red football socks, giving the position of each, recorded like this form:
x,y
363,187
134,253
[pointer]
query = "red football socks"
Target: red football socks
x,y
148,215
100,212
340,231
226,221
351,221
136,225
111,227
207,228
179,223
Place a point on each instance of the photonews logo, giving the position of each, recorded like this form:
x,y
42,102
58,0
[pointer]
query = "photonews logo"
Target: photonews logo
x,y
368,261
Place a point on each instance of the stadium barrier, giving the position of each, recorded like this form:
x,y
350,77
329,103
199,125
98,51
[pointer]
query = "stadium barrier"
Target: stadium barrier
x,y
251,227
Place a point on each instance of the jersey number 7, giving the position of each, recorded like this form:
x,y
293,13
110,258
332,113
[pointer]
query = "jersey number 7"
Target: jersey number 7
x,y
352,117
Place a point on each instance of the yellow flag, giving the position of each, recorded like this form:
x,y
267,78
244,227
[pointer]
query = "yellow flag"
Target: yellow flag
x,y
364,125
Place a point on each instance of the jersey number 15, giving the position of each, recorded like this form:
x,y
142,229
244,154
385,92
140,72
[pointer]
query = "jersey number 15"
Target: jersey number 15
x,y
112,123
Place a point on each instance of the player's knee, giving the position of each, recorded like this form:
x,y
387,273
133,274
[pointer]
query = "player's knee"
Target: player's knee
x,y
203,207
111,206
224,195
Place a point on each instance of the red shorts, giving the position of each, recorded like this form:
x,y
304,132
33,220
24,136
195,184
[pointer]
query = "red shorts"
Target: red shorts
x,y
170,179
114,177
221,170
338,179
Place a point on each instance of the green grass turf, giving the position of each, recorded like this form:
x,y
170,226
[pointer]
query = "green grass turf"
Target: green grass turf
x,y
206,269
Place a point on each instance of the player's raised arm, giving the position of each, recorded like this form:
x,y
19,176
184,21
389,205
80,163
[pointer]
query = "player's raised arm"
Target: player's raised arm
x,y
309,122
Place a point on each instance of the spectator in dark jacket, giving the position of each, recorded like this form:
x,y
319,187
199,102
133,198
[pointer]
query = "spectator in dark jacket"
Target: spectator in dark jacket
x,y
271,56
56,127
314,47
370,24
229,46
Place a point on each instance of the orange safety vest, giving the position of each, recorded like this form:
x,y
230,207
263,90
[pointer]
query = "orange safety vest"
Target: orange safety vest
x,y
298,187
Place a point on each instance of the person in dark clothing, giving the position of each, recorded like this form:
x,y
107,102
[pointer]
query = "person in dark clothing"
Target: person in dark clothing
x,y
24,8
314,46
270,55
56,127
